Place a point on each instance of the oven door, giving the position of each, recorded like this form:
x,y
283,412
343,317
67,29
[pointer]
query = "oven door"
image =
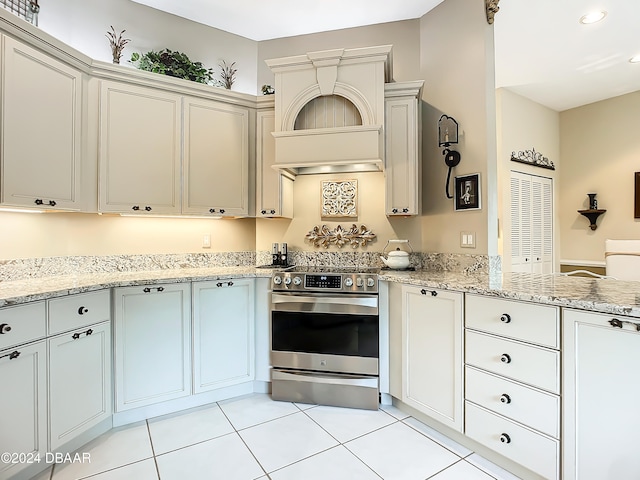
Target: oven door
x,y
325,332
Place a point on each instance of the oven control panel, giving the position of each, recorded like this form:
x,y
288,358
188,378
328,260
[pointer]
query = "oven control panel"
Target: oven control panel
x,y
330,282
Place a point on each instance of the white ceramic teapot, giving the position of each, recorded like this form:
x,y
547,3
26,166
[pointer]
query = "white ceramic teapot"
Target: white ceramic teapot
x,y
396,259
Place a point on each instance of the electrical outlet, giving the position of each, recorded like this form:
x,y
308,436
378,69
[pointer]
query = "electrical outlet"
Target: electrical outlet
x,y
468,239
206,240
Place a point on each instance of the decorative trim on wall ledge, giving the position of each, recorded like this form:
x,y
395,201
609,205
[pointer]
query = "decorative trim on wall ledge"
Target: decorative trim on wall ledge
x,y
531,157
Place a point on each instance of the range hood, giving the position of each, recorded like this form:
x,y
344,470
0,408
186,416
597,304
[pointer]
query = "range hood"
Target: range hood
x,y
329,110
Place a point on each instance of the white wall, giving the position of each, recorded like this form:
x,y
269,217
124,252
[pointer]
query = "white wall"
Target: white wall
x,y
83,24
600,150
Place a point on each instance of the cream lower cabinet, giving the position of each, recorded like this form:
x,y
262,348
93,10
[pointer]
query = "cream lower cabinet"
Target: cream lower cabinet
x,y
216,158
139,154
41,130
23,406
79,381
274,189
432,356
223,333
152,344
512,381
403,151
601,391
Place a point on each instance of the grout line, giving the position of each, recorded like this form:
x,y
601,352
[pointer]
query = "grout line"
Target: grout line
x,y
153,450
446,468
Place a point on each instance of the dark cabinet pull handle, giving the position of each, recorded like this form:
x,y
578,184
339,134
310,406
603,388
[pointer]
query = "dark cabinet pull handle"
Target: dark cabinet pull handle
x,y
273,212
212,210
505,318
135,207
77,335
5,328
230,284
504,438
38,201
394,210
12,355
219,284
433,292
52,203
505,358
83,310
504,398
263,212
148,208
148,289
405,210
615,323
222,210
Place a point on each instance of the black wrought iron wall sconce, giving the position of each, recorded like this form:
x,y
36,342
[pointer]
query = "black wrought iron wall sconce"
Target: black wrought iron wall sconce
x,y
447,136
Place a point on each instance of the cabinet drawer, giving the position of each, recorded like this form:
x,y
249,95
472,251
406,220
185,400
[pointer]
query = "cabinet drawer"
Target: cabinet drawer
x,y
76,311
22,324
528,322
532,365
532,450
534,408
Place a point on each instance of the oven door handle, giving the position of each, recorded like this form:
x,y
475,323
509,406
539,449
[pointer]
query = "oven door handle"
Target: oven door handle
x,y
372,302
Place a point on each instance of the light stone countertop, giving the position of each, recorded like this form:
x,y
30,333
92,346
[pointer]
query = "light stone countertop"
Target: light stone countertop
x,y
599,295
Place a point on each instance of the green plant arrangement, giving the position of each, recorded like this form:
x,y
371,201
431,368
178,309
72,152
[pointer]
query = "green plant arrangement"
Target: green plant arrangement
x,y
174,64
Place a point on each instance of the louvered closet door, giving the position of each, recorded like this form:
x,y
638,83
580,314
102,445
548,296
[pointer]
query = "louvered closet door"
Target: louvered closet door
x,y
531,223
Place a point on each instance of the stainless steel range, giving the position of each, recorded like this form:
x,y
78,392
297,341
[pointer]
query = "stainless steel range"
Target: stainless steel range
x,y
325,336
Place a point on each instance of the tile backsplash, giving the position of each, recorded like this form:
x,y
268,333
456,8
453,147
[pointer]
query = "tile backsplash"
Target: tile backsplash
x,y
18,269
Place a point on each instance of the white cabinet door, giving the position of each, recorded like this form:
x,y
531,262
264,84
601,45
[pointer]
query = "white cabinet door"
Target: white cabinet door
x,y
403,157
274,189
601,390
79,382
223,331
41,130
216,158
531,223
152,344
139,155
432,355
23,404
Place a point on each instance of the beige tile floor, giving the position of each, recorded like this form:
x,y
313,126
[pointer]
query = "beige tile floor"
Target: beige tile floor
x,y
254,437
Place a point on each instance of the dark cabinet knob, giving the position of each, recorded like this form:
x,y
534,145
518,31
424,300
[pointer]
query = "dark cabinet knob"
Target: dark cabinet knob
x,y
83,310
230,284
212,210
505,358
504,438
222,210
52,203
264,212
146,290
273,212
135,207
160,289
614,322
405,210
5,328
38,201
11,356
394,210
219,284
505,318
504,398
148,208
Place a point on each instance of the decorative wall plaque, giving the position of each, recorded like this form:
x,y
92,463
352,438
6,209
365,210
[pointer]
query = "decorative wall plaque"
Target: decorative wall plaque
x,y
339,199
355,236
532,158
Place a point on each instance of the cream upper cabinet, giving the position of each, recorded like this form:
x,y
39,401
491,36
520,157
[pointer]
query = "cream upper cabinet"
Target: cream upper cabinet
x,y
41,130
139,154
216,158
432,354
274,189
600,396
403,152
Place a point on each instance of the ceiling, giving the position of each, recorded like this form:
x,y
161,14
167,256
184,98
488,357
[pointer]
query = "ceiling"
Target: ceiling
x,y
542,51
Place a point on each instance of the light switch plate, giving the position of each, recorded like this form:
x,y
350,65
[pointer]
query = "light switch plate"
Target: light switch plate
x,y
468,239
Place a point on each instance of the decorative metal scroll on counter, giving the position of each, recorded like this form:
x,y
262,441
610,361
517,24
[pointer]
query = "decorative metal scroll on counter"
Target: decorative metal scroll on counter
x,y
534,158
355,236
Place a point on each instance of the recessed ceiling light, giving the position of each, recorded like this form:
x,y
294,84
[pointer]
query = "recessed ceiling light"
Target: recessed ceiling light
x,y
635,59
593,17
